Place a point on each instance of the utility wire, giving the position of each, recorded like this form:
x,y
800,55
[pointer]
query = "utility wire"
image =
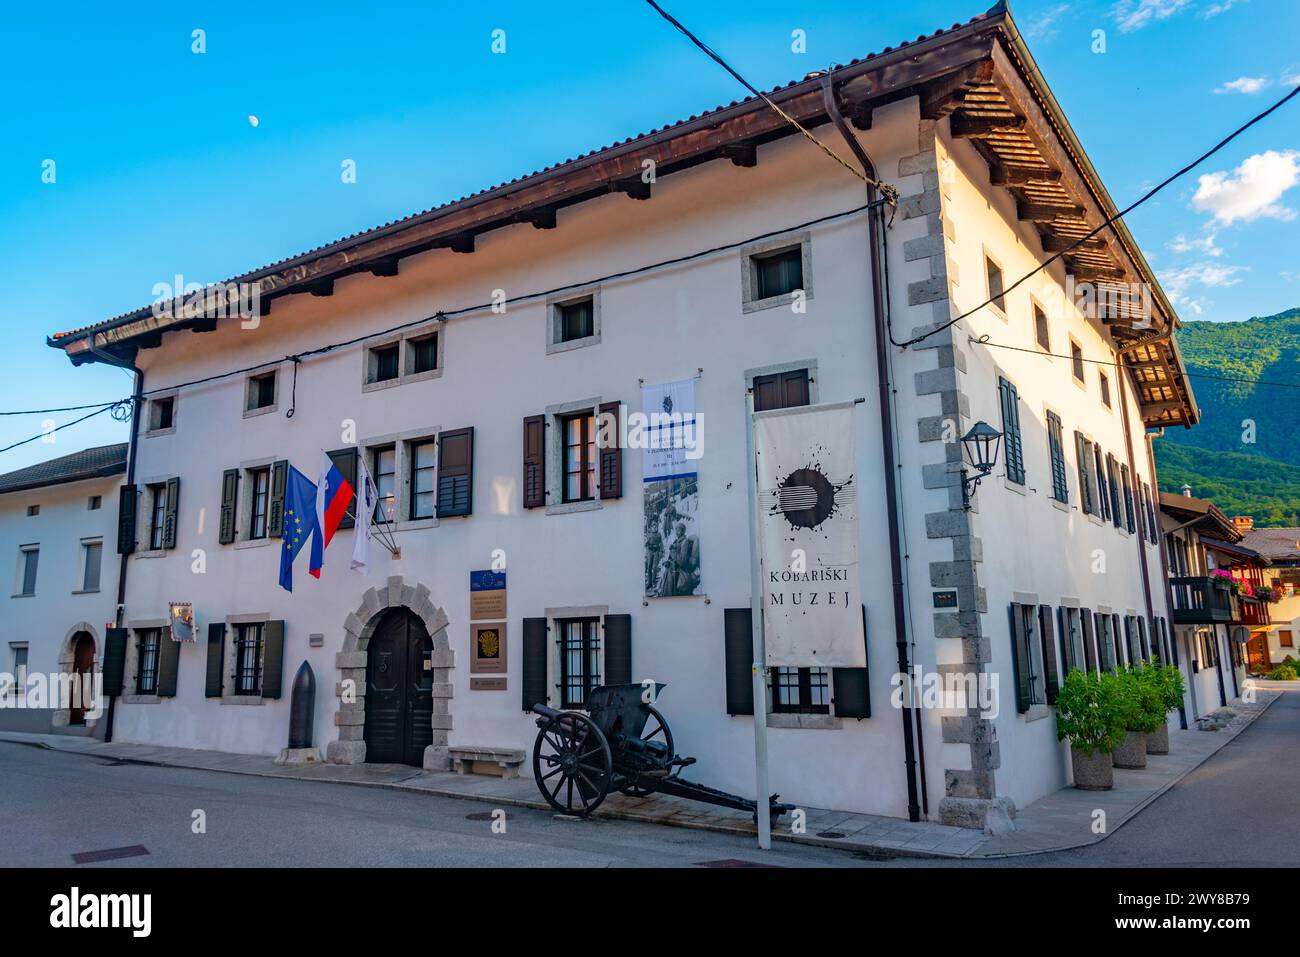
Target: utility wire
x,y
66,408
1119,215
60,428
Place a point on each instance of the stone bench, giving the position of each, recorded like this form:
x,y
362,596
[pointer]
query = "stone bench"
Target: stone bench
x,y
472,759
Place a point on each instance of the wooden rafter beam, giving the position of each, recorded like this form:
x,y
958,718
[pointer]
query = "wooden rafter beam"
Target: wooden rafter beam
x,y
1021,175
942,97
965,126
742,154
320,287
1041,213
632,188
1052,243
384,267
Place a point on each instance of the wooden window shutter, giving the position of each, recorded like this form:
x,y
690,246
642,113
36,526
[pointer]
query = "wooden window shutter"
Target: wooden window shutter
x,y
1014,453
272,658
1089,654
1020,658
345,460
534,663
114,661
1048,634
1067,645
275,507
216,659
618,650
456,473
169,516
611,456
229,497
534,461
851,687
169,655
126,519
738,657
1085,487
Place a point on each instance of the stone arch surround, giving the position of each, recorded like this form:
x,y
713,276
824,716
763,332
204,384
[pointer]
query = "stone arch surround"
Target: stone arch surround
x,y
67,659
349,745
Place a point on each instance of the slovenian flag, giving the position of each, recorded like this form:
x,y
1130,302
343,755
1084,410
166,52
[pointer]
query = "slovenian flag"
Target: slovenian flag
x,y
333,497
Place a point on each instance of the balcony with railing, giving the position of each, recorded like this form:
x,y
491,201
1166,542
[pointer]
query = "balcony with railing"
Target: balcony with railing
x,y
1254,612
1204,600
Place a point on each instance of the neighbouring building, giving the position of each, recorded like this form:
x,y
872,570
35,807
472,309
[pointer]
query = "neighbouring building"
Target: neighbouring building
x,y
464,355
1276,641
58,524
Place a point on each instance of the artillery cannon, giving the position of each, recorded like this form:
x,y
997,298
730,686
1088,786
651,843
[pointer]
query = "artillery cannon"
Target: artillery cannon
x,y
622,743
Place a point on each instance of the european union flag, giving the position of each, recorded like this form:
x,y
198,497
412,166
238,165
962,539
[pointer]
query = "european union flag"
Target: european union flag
x,y
299,523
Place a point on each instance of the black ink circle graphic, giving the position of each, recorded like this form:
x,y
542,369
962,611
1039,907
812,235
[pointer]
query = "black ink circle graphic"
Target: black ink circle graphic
x,y
807,498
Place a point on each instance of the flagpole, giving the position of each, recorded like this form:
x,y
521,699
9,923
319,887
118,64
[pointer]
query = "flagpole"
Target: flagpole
x,y
756,622
386,538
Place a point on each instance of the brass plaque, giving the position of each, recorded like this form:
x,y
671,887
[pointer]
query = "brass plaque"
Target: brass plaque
x,y
484,605
487,649
487,684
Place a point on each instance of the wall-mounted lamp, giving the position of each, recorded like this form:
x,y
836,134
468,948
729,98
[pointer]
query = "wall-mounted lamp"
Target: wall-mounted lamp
x,y
980,446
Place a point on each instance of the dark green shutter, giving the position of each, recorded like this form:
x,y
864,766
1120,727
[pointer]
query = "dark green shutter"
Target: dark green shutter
x,y
1089,653
169,654
1011,444
534,662
1048,634
618,649
229,496
216,659
114,661
456,473
272,658
345,460
1081,453
851,687
1068,663
1019,658
169,514
738,655
126,520
611,456
275,507
534,487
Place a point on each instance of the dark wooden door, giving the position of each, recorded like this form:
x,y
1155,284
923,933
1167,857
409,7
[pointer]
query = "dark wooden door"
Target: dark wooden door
x,y
399,690
83,667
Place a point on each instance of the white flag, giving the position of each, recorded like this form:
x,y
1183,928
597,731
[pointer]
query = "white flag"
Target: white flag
x,y
367,499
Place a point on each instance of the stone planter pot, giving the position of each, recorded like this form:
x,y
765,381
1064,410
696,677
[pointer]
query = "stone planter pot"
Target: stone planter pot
x,y
1132,751
1092,772
1158,740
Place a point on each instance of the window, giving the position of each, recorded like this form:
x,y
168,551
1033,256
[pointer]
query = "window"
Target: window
x,y
261,483
95,502
1286,638
157,515
161,413
248,659
19,653
423,354
801,691
29,557
384,363
779,273
579,660
33,511
1073,639
1040,328
149,644
579,435
1106,636
261,392
1083,452
1009,399
92,555
1076,361
383,465
577,319
1056,451
423,464
993,272
1104,382
781,390
1027,648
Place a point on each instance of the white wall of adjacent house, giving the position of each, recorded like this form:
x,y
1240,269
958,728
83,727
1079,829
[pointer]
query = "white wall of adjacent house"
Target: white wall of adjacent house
x,y
659,326
44,612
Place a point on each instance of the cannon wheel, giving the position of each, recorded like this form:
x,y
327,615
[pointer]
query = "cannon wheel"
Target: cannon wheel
x,y
572,764
656,729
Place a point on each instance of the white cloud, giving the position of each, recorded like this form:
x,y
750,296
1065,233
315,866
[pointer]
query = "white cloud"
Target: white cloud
x,y
1291,79
1134,16
1244,84
1214,9
1179,284
1043,26
1251,190
1205,246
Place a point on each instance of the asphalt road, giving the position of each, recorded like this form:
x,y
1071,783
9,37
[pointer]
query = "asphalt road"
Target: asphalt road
x,y
54,805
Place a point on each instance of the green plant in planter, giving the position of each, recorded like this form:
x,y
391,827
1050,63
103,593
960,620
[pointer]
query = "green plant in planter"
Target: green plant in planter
x,y
1170,680
1142,697
1088,712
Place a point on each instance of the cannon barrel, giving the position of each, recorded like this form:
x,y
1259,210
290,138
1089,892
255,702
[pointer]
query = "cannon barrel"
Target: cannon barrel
x,y
546,713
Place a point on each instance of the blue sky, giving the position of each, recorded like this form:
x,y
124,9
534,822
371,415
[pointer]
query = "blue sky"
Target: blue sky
x,y
159,171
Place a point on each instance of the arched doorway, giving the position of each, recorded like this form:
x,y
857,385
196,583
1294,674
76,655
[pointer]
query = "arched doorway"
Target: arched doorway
x,y
399,690
83,670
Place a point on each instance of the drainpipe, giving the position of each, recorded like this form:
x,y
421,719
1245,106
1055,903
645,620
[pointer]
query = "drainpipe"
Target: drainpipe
x,y
912,739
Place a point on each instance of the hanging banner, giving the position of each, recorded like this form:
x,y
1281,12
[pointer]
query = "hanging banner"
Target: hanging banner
x,y
808,537
670,434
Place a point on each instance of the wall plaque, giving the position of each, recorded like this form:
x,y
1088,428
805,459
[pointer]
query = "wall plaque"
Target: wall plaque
x,y
945,599
488,684
487,648
487,595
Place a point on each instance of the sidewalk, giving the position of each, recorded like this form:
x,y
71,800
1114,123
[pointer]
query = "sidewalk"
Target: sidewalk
x,y
1059,821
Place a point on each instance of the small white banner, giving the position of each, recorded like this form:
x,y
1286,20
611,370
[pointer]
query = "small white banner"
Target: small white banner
x,y
808,537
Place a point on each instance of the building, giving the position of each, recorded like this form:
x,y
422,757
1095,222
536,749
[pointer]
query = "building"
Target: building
x,y
55,518
1275,642
465,353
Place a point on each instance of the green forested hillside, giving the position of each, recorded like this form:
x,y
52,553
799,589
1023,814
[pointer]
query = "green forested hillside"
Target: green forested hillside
x,y
1245,453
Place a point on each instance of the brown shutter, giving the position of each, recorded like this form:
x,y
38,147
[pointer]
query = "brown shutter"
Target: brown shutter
x,y
1020,658
611,457
1089,653
345,460
534,662
534,461
272,658
216,659
456,473
1046,631
851,687
618,649
275,507
229,496
169,653
738,659
126,520
169,514
114,661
